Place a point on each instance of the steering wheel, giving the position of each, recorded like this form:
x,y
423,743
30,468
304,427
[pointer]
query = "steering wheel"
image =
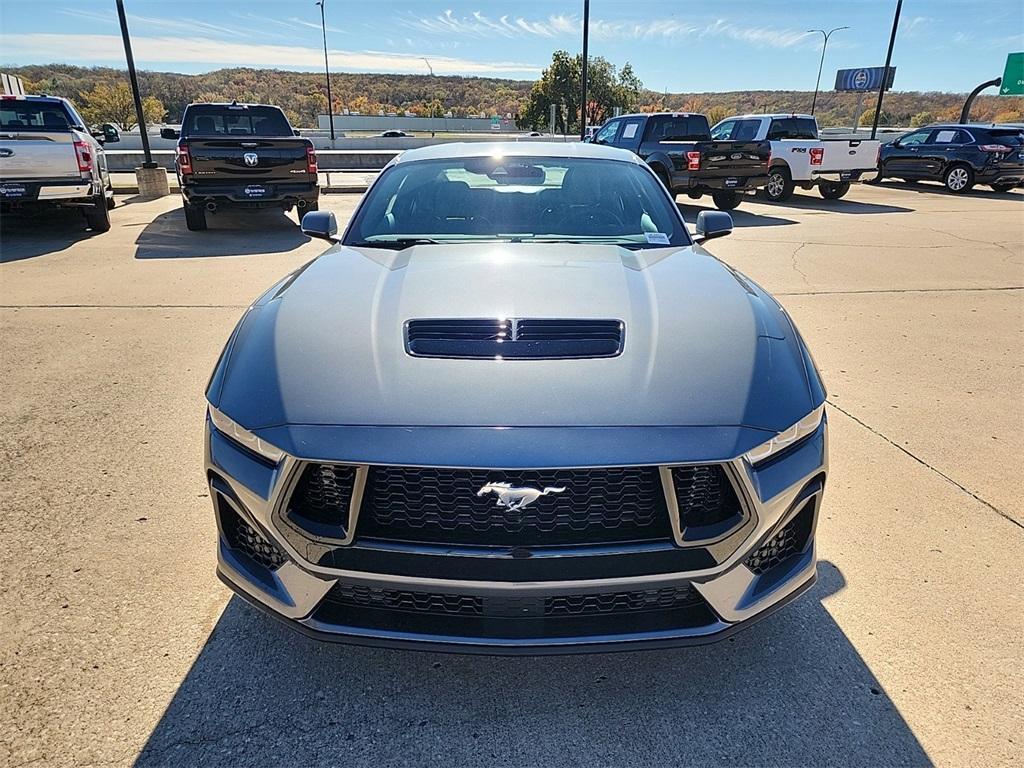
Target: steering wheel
x,y
597,218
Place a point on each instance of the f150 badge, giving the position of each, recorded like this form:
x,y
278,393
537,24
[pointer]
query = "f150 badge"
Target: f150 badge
x,y
513,497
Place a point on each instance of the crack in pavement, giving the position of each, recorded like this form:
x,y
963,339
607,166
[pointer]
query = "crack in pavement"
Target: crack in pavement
x,y
795,267
925,464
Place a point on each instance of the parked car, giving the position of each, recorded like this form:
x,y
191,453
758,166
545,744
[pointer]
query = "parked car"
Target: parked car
x,y
680,149
242,156
800,157
958,155
635,457
393,135
48,159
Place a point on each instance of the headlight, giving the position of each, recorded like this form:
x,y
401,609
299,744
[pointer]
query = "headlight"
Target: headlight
x,y
244,437
808,425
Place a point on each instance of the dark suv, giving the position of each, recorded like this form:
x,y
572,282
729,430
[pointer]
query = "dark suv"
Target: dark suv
x,y
959,156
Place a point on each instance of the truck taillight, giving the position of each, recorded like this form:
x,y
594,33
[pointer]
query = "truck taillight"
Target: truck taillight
x,y
817,155
693,161
84,154
184,160
310,160
1000,148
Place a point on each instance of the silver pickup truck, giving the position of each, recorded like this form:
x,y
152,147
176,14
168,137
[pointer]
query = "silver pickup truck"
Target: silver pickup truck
x,y
49,159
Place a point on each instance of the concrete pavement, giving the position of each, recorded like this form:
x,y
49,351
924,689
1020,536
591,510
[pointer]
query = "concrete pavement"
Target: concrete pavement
x,y
120,647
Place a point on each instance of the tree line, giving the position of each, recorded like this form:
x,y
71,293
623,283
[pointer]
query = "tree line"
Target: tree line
x,y
102,94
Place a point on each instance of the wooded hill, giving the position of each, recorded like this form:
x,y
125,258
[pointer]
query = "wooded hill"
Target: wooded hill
x,y
303,95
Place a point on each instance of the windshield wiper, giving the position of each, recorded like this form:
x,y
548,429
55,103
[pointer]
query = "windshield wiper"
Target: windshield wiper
x,y
398,244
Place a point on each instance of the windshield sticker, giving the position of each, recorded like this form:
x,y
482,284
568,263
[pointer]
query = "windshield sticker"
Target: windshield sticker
x,y
656,238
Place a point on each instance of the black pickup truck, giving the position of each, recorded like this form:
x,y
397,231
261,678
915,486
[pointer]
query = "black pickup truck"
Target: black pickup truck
x,y
679,148
242,156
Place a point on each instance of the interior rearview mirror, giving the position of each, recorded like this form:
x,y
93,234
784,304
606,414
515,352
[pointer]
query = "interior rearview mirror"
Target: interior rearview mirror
x,y
321,224
712,224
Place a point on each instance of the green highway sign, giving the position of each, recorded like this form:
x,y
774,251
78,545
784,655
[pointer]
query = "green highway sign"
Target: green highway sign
x,y
1013,76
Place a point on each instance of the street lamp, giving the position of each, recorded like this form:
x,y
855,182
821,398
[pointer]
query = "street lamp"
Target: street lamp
x,y
821,64
327,70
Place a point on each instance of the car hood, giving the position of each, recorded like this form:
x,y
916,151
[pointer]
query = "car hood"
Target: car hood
x,y
703,345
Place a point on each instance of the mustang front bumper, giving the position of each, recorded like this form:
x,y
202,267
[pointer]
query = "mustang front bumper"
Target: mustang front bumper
x,y
519,599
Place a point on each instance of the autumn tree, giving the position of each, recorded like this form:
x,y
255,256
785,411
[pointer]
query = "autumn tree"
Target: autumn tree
x,y
114,104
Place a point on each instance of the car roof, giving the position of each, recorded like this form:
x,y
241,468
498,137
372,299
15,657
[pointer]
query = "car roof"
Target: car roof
x,y
31,97
563,149
772,115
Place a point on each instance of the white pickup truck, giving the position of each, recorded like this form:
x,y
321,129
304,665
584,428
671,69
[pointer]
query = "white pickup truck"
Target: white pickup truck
x,y
799,156
49,159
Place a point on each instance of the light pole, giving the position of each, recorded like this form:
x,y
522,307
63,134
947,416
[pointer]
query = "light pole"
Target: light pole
x,y
583,78
817,83
885,72
327,69
133,78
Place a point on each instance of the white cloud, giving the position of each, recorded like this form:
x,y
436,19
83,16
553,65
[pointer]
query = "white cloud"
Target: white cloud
x,y
175,50
479,25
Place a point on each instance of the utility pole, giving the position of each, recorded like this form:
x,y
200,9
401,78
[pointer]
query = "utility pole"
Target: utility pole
x,y
583,78
133,77
885,72
817,83
151,178
327,69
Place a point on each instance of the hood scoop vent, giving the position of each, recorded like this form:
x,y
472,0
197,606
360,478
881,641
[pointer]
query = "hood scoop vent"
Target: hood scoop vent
x,y
514,338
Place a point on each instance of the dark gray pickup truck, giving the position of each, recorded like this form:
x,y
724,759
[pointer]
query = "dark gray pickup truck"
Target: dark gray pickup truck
x,y
679,148
242,156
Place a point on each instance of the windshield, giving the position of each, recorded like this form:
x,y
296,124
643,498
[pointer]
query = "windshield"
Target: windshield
x,y
517,199
234,120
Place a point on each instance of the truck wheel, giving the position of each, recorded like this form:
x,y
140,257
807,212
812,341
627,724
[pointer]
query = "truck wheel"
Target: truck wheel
x,y
726,201
695,194
958,179
195,217
97,216
780,185
833,190
1001,188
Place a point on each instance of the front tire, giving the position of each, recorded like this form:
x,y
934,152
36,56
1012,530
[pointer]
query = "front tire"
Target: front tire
x,y
97,216
726,201
695,194
195,217
833,190
780,186
958,179
1002,188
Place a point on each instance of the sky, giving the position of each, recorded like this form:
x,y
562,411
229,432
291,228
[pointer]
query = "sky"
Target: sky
x,y
674,45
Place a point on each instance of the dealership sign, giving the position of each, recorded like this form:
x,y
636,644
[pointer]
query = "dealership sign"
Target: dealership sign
x,y
864,79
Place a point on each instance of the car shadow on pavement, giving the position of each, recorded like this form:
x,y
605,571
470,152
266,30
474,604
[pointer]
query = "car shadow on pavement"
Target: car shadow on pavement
x,y
810,200
937,188
230,233
791,690
25,237
740,217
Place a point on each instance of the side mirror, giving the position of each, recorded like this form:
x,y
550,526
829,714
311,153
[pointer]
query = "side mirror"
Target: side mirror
x,y
100,136
320,224
170,133
712,224
110,134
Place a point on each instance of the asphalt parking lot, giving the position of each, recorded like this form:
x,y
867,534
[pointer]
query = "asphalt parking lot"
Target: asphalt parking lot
x,y
119,646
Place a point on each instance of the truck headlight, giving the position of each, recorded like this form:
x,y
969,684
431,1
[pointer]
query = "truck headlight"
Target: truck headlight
x,y
808,425
244,437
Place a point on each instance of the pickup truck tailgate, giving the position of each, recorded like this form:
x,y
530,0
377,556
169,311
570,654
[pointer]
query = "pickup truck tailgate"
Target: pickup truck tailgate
x,y
249,160
733,158
35,155
848,155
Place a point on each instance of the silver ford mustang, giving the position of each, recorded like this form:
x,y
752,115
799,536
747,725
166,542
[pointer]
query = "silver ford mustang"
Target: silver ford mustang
x,y
516,409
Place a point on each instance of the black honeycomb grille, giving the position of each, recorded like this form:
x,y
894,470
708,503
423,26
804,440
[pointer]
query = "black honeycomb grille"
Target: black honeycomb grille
x,y
787,543
323,495
443,506
359,596
245,539
705,496
662,599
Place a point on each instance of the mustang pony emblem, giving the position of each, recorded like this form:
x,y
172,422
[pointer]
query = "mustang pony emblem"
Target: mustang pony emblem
x,y
516,497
